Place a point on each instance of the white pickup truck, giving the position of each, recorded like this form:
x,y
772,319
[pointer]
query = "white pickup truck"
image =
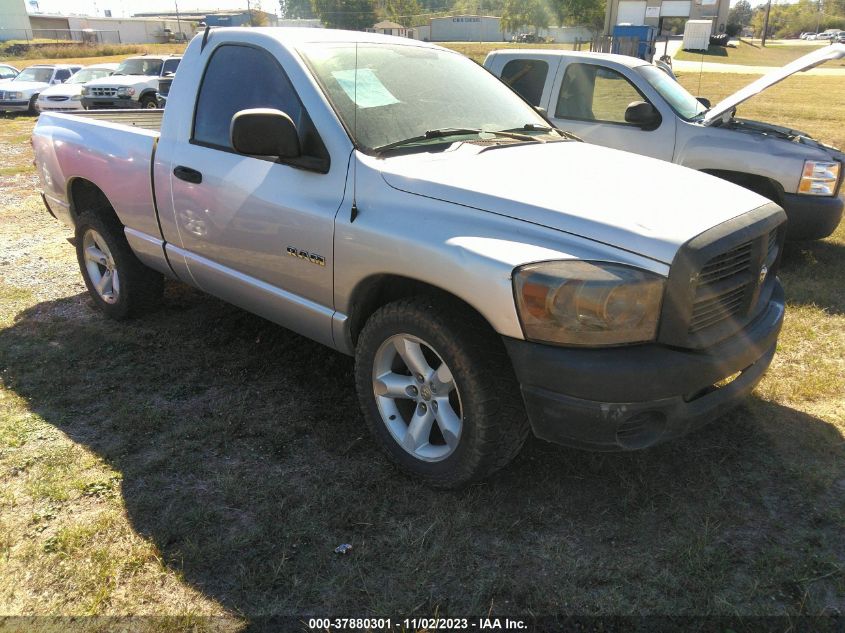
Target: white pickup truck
x,y
396,202
625,103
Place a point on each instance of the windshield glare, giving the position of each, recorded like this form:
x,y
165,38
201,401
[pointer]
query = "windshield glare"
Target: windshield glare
x,y
675,94
41,75
402,91
139,67
88,74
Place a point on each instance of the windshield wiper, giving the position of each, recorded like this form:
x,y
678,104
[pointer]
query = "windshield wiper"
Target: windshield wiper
x,y
454,131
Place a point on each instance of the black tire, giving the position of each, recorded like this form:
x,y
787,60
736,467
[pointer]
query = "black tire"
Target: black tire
x,y
148,102
140,288
494,423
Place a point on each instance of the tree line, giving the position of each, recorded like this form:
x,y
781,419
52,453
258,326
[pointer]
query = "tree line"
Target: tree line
x,y
517,15
788,20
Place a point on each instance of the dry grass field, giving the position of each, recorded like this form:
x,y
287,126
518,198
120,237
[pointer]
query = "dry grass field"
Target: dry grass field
x,y
750,53
201,465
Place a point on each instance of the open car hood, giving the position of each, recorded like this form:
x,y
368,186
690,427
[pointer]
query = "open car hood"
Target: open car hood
x,y
819,56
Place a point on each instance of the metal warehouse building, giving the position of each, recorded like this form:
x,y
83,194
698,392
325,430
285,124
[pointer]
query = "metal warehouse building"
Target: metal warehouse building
x,y
653,12
488,28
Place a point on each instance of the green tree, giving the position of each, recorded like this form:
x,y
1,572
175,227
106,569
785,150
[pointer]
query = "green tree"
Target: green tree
x,y
741,13
401,11
520,14
296,9
589,13
345,14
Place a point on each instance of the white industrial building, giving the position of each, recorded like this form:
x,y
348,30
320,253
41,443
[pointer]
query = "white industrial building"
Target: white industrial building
x,y
13,19
488,28
653,12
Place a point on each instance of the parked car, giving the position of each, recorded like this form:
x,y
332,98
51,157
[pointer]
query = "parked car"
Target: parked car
x,y
133,85
21,93
68,96
628,104
396,202
8,72
830,34
163,90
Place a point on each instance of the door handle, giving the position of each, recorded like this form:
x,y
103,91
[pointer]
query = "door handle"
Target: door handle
x,y
187,174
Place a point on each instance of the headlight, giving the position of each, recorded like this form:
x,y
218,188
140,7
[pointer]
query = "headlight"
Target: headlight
x,y
85,90
76,97
15,95
125,92
588,303
819,179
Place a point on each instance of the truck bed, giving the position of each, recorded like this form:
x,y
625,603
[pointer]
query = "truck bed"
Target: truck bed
x,y
146,119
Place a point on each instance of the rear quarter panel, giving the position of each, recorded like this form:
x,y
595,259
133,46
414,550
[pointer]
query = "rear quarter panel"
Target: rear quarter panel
x,y
116,158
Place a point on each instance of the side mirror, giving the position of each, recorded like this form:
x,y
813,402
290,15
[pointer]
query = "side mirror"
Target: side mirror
x,y
705,102
264,132
642,114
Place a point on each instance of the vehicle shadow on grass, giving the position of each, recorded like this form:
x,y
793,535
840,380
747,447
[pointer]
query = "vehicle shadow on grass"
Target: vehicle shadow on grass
x,y
812,272
244,459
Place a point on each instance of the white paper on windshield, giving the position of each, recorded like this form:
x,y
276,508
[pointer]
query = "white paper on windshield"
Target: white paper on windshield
x,y
371,92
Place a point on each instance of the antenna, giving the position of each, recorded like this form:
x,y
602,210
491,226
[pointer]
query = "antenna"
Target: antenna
x,y
205,37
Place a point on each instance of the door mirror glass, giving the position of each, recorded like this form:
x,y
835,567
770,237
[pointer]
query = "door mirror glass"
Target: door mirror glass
x,y
642,114
265,132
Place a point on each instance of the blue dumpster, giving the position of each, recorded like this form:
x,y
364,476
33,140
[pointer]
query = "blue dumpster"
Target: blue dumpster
x,y
645,34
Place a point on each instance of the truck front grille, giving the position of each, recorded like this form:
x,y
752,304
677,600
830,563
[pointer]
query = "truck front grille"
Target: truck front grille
x,y
57,98
103,92
722,279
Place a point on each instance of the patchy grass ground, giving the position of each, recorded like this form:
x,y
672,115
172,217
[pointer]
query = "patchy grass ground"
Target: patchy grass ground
x,y
813,104
752,54
87,54
203,462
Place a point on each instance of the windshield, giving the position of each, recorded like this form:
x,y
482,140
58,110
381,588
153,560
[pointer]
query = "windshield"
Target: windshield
x,y
139,67
404,91
88,74
39,74
675,94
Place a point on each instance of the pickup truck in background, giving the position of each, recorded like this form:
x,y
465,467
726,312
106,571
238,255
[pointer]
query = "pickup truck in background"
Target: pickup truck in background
x,y
133,85
20,94
626,103
396,202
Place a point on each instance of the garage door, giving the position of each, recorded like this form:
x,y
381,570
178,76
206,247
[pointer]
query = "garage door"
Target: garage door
x,y
631,12
675,9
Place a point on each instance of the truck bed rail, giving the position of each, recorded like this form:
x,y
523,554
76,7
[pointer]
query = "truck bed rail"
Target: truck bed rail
x,y
147,119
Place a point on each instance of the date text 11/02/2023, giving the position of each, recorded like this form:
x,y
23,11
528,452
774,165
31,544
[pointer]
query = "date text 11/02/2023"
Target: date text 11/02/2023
x,y
416,624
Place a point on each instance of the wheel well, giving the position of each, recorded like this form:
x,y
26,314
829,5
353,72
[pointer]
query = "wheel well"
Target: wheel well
x,y
149,92
84,195
379,290
766,187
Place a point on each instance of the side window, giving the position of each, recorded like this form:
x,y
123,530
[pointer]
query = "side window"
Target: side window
x,y
527,77
63,74
593,93
238,78
170,66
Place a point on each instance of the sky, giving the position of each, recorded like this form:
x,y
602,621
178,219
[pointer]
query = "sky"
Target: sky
x,y
125,8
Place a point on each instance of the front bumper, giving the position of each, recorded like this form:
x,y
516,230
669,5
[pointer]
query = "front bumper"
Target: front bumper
x,y
14,106
625,398
110,103
59,106
811,217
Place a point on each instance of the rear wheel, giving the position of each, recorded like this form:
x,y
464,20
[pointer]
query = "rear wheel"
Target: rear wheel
x,y
119,284
438,391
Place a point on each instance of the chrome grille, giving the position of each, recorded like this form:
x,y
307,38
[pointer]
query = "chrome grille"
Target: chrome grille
x,y
103,92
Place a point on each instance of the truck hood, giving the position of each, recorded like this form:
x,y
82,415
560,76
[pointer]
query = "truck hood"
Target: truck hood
x,y
642,205
818,56
122,80
25,86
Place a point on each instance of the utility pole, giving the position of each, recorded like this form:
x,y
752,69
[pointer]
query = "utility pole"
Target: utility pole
x,y
249,13
766,23
178,21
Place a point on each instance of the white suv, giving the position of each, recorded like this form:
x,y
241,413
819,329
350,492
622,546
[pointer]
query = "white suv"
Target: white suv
x,y
133,85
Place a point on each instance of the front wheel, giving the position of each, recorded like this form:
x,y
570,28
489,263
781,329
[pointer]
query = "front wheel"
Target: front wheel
x,y
438,391
120,285
148,102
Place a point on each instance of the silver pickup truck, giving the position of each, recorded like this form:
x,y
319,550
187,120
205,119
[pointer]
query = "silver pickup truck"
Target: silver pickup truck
x,y
396,202
625,103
